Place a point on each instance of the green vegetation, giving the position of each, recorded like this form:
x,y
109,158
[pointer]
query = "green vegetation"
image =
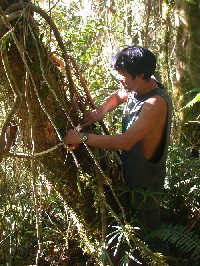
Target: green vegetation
x,y
57,212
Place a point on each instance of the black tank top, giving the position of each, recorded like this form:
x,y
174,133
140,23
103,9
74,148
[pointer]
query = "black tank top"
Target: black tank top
x,y
139,172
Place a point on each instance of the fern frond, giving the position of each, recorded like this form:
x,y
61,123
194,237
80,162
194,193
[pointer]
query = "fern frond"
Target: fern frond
x,y
182,237
192,102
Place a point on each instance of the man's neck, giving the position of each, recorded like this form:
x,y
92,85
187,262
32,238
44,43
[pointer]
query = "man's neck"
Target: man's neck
x,y
147,86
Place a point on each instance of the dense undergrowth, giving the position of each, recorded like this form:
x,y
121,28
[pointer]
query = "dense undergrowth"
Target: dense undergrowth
x,y
24,199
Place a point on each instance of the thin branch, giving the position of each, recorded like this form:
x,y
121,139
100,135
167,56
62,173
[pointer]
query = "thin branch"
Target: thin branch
x,y
18,155
6,124
87,92
12,16
102,207
17,101
52,25
21,51
90,100
107,179
148,12
9,74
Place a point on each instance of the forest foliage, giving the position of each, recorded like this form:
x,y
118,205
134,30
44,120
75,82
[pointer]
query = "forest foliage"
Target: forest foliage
x,y
36,224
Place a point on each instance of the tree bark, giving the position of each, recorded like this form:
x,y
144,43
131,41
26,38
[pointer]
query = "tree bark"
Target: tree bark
x,y
46,106
188,40
182,39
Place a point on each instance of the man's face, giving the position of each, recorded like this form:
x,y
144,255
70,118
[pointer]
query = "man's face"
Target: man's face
x,y
126,80
129,83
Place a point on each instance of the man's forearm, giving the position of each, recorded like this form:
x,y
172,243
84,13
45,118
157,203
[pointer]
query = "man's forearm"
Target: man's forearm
x,y
114,100
111,103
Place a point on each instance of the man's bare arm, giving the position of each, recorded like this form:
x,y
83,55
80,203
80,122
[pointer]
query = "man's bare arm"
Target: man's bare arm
x,y
153,112
111,103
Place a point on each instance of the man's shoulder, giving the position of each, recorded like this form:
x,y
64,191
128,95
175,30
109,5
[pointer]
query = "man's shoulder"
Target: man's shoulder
x,y
156,100
159,96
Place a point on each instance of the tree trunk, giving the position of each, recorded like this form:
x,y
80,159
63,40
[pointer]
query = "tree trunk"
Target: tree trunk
x,y
189,38
44,106
183,42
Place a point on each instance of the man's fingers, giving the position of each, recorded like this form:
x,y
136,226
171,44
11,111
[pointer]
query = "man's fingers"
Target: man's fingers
x,y
86,124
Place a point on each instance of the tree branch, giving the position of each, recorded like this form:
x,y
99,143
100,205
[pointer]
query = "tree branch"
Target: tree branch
x,y
17,101
52,25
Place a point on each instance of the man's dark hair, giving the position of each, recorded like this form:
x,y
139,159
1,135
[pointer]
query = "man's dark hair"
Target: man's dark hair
x,y
135,60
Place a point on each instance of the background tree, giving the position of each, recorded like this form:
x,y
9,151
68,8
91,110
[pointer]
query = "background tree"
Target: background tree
x,y
182,45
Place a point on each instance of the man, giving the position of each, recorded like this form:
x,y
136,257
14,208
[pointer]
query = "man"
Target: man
x,y
146,126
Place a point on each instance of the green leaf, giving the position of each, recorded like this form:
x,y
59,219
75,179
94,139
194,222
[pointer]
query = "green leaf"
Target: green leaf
x,y
179,235
195,100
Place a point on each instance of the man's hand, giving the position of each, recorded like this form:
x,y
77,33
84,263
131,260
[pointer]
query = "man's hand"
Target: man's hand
x,y
73,137
92,116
